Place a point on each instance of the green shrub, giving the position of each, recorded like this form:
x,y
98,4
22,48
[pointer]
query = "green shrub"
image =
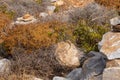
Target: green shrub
x,y
57,9
88,36
39,1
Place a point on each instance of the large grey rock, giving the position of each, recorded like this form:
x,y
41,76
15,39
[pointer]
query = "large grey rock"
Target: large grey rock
x,y
112,73
5,66
68,54
74,74
110,45
93,64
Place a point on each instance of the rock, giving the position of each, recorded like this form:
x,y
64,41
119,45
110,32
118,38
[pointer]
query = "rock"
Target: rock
x,y
93,65
110,45
51,9
68,54
92,68
54,0
112,73
74,74
117,61
43,15
26,19
5,65
115,21
58,3
60,78
113,63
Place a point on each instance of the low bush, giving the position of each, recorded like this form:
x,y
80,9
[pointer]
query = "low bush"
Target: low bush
x,y
88,36
39,1
35,36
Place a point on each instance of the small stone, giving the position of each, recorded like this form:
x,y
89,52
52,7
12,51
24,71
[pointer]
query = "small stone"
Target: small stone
x,y
26,19
37,78
26,16
58,3
43,15
115,24
115,21
51,9
54,0
5,65
59,78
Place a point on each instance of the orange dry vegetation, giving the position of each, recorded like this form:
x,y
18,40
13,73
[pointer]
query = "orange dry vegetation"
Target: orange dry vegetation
x,y
110,3
4,21
34,36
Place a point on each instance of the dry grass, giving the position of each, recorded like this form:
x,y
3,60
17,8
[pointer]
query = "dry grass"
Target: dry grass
x,y
41,63
110,3
77,3
16,77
